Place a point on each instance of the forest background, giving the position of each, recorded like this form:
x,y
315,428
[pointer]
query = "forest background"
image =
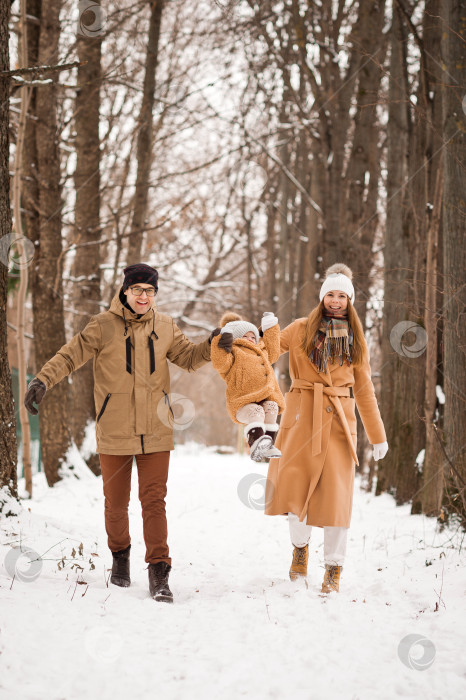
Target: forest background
x,y
241,148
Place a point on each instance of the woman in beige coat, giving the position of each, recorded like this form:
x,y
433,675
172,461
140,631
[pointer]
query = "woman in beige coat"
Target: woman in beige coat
x,y
313,480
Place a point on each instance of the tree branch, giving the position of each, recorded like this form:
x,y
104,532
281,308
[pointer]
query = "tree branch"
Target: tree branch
x,y
40,69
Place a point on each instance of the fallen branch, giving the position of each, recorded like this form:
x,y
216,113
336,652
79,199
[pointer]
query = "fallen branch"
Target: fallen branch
x,y
10,325
40,69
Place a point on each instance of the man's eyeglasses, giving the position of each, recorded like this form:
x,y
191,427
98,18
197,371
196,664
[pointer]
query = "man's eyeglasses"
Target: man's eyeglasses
x,y
137,291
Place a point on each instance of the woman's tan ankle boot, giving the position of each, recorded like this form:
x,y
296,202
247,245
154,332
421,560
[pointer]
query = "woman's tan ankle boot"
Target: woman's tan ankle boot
x,y
331,580
299,564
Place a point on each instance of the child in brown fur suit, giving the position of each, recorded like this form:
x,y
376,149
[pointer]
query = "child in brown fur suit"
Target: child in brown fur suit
x,y
253,397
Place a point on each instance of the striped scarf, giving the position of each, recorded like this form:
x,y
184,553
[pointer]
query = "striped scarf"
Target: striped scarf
x,y
333,340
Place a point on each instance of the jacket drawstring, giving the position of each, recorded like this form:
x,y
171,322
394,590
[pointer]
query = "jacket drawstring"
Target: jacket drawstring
x,y
151,344
128,345
167,401
128,355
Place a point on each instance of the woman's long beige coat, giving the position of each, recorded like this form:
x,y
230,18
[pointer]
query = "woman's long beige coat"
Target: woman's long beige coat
x,y
314,478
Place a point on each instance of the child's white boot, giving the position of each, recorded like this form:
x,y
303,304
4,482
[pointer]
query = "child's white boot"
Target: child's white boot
x,y
258,441
271,430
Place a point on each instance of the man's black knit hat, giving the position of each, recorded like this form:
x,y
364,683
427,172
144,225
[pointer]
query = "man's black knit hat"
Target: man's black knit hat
x,y
140,273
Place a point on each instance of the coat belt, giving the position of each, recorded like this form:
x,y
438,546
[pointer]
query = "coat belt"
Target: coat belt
x,y
334,393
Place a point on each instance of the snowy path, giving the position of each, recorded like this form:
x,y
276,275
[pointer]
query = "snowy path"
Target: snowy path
x,y
239,627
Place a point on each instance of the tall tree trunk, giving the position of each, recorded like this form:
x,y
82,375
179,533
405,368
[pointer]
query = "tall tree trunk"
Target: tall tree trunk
x,y
307,220
394,252
29,186
29,183
47,288
23,285
284,282
271,295
358,215
339,90
144,149
433,462
285,271
408,336
86,267
358,218
454,260
433,481
8,447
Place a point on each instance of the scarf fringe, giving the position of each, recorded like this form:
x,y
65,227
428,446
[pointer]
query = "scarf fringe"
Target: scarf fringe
x,y
333,343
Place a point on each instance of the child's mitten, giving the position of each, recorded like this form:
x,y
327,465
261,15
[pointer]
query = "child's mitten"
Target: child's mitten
x,y
269,320
226,342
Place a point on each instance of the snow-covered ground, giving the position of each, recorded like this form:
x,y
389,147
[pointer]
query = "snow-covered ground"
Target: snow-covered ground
x,y
239,627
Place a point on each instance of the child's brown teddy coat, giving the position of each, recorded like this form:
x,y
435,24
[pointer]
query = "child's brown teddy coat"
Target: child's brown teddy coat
x,y
248,371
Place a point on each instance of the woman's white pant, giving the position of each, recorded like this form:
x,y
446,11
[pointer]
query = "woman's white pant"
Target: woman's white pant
x,y
335,539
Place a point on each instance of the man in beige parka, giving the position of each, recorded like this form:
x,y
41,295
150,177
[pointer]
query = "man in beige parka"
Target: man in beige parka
x,y
130,345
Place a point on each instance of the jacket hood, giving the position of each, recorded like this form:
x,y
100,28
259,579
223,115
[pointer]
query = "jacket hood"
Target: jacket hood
x,y
117,307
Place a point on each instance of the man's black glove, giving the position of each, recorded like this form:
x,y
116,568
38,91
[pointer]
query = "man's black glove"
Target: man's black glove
x,y
34,394
215,332
226,342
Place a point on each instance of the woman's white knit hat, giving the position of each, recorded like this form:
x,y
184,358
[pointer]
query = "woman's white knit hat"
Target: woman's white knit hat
x,y
239,328
338,278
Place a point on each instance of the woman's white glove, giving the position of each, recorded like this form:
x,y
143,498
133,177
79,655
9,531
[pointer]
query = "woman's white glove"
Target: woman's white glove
x,y
380,450
269,320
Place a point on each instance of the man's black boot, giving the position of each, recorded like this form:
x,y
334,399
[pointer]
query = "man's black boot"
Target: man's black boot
x,y
158,582
120,568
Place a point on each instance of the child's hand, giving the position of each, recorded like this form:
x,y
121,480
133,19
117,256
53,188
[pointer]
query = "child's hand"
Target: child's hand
x,y
226,342
269,320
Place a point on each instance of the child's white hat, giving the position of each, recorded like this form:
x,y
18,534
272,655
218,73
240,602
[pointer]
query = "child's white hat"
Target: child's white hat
x,y
234,324
239,328
338,278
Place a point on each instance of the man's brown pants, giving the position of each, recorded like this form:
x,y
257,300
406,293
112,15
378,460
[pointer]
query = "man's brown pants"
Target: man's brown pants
x,y
152,476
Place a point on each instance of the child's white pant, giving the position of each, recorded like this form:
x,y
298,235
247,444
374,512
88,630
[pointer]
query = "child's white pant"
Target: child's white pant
x,y
263,412
335,539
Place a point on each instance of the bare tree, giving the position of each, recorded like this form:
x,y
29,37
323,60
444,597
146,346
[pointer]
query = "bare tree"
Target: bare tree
x,y
8,458
433,472
145,138
25,93
86,263
47,285
431,102
402,373
454,251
